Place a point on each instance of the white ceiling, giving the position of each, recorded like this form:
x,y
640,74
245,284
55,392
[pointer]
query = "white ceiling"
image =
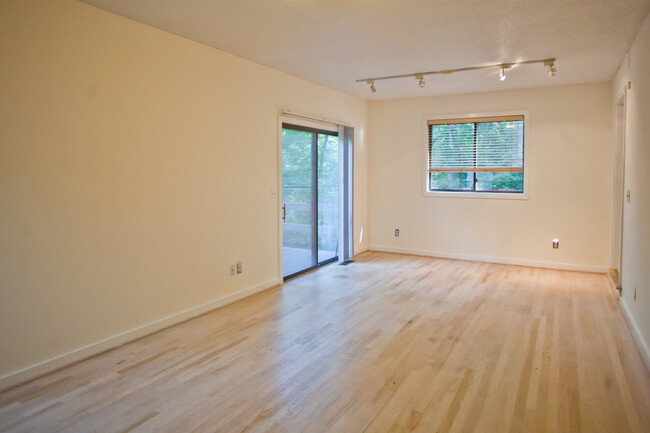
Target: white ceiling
x,y
335,42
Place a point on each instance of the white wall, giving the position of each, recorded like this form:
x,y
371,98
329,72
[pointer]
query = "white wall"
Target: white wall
x,y
636,220
135,167
570,181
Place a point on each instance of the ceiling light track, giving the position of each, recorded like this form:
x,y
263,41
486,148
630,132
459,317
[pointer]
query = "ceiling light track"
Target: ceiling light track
x,y
503,67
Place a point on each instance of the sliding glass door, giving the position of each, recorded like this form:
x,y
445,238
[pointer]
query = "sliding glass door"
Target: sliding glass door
x,y
310,193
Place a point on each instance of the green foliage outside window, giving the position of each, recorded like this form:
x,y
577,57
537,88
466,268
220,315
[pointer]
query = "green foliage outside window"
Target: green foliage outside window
x,y
297,185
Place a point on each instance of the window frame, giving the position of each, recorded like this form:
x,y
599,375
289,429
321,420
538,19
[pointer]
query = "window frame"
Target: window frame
x,y
474,194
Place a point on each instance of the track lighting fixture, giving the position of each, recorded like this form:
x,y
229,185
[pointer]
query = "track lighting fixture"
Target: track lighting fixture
x,y
502,73
550,63
551,68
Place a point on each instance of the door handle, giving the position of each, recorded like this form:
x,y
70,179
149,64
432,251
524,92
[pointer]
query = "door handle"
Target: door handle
x,y
284,212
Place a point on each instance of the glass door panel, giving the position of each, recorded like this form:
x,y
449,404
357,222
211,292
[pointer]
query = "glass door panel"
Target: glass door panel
x,y
297,229
328,197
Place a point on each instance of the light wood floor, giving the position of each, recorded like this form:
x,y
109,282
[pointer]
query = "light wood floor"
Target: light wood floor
x,y
390,343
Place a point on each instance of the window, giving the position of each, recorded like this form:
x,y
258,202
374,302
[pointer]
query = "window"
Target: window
x,y
480,155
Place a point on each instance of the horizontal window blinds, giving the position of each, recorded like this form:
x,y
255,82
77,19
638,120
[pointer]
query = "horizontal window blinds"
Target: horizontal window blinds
x,y
486,144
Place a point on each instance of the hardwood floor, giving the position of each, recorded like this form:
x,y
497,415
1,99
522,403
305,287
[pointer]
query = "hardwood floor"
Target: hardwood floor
x,y
390,343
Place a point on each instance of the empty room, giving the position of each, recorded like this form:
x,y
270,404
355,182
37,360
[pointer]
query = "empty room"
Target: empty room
x,y
325,216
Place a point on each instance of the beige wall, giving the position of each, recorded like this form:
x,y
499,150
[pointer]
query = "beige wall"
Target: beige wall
x,y
135,167
570,181
636,221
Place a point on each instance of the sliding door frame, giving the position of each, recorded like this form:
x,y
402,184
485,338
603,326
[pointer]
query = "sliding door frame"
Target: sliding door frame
x,y
345,172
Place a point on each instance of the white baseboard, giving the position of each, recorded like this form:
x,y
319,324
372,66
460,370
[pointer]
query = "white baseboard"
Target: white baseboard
x,y
361,250
44,367
636,333
502,260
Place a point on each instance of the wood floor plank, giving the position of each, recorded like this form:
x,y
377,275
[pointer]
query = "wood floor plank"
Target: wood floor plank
x,y
389,344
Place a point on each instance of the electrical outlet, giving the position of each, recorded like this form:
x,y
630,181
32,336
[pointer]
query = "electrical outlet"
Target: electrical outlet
x,y
232,270
239,267
396,233
556,243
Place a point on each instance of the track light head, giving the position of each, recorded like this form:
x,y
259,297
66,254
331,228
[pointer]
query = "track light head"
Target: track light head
x,y
551,68
373,89
502,73
421,81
